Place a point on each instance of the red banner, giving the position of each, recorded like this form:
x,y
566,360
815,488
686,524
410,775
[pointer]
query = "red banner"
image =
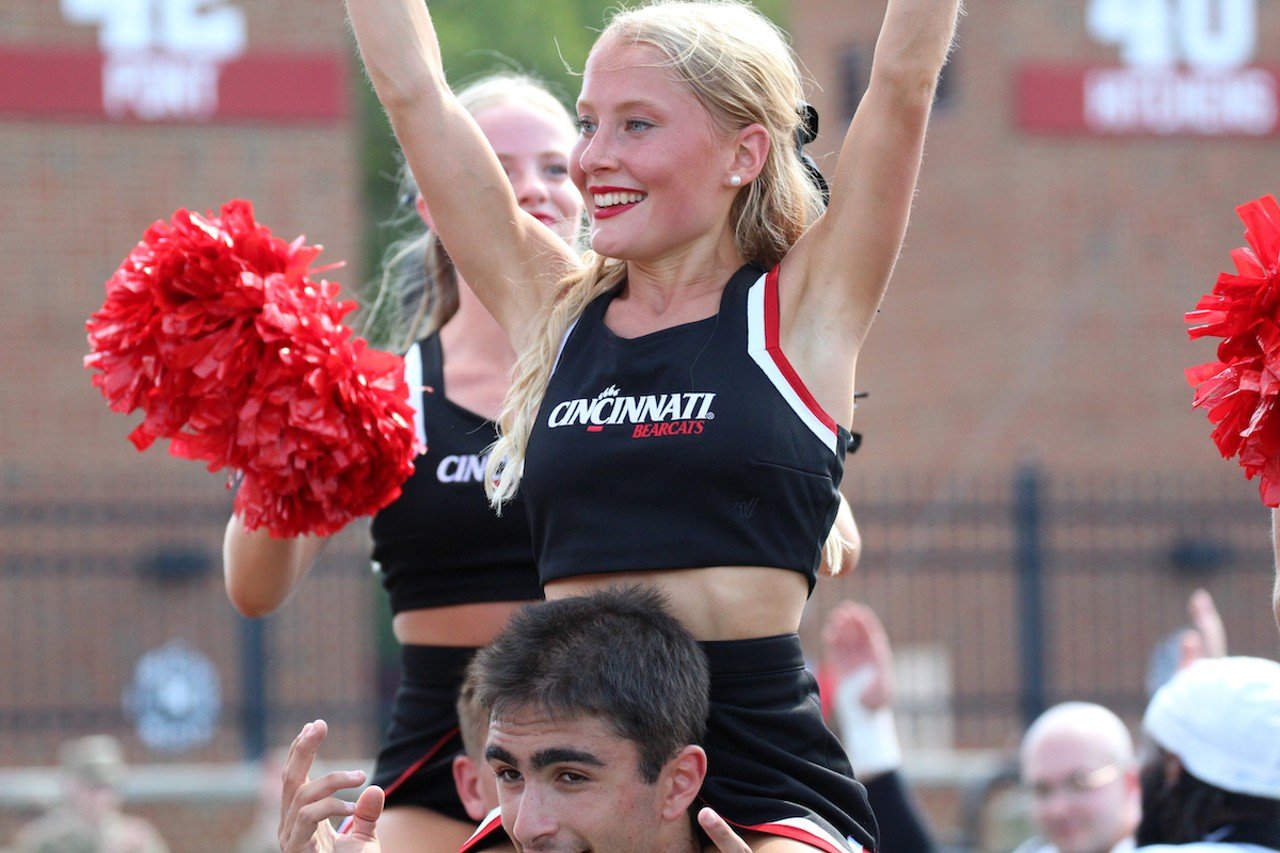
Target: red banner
x,y
151,86
1138,101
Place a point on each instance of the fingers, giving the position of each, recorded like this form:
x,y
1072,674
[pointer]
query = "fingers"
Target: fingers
x,y
314,805
306,805
297,767
855,638
1190,648
720,833
1206,620
368,808
843,633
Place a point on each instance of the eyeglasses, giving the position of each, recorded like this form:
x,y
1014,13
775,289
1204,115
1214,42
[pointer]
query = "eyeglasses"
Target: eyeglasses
x,y
1077,784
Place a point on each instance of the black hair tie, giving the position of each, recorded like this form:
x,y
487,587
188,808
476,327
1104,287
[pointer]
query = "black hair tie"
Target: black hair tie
x,y
807,132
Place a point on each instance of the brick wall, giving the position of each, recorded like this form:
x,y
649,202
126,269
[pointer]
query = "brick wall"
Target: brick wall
x,y
79,193
1037,307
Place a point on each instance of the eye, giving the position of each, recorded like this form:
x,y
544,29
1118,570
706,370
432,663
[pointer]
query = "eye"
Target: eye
x,y
559,170
506,775
586,126
638,125
569,777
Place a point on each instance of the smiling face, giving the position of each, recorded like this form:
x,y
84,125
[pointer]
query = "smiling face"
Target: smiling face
x,y
575,785
533,147
649,161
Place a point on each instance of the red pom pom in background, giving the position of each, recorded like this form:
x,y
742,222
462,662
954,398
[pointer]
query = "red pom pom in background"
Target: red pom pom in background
x,y
1239,391
215,330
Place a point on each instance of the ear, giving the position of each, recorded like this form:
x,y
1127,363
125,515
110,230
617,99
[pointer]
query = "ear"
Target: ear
x,y
421,205
682,777
467,780
750,149
1132,781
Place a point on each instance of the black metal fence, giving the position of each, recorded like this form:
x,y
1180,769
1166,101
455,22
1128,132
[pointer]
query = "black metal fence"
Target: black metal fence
x,y
1001,596
1024,590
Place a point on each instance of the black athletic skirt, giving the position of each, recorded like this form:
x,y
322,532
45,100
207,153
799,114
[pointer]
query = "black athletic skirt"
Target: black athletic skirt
x,y
773,766
415,766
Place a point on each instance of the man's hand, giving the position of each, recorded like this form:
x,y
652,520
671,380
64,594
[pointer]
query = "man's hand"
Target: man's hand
x,y
720,833
307,805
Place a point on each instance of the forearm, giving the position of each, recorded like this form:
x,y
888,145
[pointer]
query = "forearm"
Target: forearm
x,y
495,246
903,826
399,48
260,570
914,41
1275,544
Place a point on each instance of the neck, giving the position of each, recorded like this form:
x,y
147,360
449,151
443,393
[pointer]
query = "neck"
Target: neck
x,y
691,276
693,268
686,841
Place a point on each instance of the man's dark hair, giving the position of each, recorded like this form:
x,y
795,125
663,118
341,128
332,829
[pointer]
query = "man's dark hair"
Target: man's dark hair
x,y
472,719
1187,809
616,655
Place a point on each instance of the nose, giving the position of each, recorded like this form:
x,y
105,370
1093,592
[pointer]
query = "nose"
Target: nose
x,y
530,188
1054,804
597,154
534,821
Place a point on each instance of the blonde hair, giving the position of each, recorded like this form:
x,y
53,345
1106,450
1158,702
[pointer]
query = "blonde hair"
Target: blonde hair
x,y
417,291
741,69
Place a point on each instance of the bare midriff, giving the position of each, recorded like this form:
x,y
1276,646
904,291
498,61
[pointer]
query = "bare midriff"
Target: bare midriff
x,y
716,603
473,624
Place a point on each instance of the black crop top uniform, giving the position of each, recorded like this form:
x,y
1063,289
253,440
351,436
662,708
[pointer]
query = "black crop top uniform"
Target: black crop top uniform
x,y
436,545
695,446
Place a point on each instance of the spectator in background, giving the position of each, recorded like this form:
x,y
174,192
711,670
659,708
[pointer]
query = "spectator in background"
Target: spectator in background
x,y
1211,772
88,819
1078,761
858,666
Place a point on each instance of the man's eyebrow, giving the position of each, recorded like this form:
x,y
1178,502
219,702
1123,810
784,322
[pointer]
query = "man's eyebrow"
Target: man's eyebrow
x,y
497,753
564,755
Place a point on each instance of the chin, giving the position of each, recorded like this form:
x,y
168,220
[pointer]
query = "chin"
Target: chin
x,y
609,247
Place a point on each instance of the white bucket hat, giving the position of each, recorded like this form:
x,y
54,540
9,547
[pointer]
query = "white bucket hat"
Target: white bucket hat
x,y
1221,718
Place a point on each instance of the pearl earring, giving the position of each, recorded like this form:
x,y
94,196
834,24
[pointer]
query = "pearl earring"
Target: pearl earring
x,y
735,180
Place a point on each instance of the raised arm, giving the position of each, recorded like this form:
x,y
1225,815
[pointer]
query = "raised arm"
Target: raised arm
x,y
840,268
1275,544
260,570
509,258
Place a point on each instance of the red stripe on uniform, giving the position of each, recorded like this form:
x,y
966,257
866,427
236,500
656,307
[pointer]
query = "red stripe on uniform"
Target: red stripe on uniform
x,y
772,325
792,832
484,833
409,771
417,765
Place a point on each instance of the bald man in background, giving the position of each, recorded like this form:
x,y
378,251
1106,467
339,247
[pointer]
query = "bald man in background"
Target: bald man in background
x,y
1078,762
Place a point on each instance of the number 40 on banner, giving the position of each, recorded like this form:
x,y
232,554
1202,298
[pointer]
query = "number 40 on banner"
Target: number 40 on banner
x,y
1218,34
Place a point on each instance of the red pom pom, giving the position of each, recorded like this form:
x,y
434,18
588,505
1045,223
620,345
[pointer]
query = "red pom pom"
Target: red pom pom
x,y
213,327
1239,391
